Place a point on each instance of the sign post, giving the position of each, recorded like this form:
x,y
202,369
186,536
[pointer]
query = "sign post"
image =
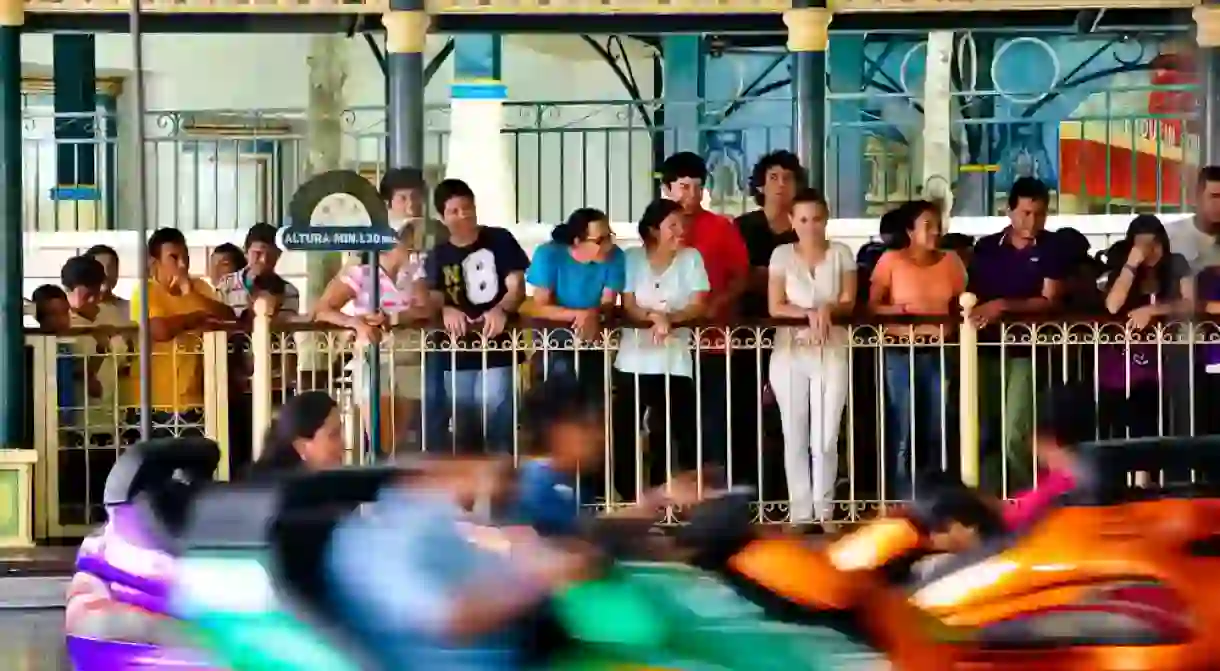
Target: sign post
x,y
340,211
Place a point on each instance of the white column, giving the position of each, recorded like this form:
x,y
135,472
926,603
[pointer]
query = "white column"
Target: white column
x,y
323,146
478,154
937,105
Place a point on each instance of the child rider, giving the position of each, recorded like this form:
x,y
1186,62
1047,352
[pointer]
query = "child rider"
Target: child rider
x,y
566,421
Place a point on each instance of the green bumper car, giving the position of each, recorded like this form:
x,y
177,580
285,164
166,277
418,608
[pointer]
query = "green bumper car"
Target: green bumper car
x,y
251,590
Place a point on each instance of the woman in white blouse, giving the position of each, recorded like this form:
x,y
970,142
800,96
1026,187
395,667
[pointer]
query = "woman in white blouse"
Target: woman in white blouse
x,y
812,279
666,285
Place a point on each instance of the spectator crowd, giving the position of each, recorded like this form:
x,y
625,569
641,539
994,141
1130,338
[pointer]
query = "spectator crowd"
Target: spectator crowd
x,y
684,390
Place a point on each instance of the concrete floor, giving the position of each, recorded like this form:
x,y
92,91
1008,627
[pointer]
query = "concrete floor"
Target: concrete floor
x,y
32,640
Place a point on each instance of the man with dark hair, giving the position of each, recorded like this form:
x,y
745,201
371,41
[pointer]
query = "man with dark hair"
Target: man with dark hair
x,y
54,315
1195,237
102,355
109,259
51,308
476,280
405,193
727,262
262,253
226,259
179,307
774,183
1017,273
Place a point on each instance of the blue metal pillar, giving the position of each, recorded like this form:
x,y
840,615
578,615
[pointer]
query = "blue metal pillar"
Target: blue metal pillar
x,y
76,191
406,35
808,37
846,170
685,78
12,335
1207,23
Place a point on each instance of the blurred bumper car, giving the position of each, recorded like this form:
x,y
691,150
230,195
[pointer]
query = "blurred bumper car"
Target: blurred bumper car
x,y
117,616
1118,574
251,585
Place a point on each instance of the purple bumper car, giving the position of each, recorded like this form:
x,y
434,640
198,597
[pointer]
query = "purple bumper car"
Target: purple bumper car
x,y
116,617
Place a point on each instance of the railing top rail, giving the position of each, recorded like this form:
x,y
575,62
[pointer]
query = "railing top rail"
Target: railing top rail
x,y
862,318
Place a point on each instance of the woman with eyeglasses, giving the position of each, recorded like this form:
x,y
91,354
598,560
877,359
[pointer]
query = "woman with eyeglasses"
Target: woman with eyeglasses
x,y
576,277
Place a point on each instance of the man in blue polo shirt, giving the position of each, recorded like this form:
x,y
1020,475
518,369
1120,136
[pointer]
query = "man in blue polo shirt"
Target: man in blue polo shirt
x,y
1017,275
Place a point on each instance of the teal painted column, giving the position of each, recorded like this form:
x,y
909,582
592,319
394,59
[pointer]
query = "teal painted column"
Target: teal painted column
x,y
76,193
477,59
847,172
1207,35
685,78
13,391
477,151
808,38
406,36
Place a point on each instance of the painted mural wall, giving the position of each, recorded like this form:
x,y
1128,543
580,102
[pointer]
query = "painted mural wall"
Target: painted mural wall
x,y
1103,120
1100,119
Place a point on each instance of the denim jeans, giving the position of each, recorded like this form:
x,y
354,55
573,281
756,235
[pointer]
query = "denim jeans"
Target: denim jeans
x,y
434,414
915,397
588,367
482,403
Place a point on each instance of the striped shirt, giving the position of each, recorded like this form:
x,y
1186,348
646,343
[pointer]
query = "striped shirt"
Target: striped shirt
x,y
234,291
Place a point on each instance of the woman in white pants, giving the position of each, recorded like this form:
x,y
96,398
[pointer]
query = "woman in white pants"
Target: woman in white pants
x,y
812,279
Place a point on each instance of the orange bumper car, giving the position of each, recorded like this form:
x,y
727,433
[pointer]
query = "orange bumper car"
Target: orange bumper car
x,y
1122,573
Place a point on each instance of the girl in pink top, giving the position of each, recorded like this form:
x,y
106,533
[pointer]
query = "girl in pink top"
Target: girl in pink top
x,y
347,302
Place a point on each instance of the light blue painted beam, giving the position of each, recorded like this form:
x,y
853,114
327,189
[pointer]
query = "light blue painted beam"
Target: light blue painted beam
x,y
846,174
685,73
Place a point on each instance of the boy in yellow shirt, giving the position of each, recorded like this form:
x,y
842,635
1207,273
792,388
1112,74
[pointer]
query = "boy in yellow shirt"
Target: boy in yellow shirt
x,y
180,307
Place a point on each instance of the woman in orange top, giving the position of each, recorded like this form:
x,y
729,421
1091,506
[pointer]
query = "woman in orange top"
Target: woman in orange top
x,y
918,279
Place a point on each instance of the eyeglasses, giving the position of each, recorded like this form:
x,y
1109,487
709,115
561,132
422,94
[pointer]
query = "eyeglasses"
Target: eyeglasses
x,y
601,239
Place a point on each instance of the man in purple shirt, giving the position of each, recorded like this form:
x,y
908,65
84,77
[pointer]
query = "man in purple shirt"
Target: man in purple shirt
x,y
1017,275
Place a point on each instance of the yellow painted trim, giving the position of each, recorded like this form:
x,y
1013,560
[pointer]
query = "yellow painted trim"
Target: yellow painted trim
x,y
569,7
12,13
406,32
216,395
1119,135
108,85
44,358
907,6
268,129
1207,25
808,29
22,462
204,7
